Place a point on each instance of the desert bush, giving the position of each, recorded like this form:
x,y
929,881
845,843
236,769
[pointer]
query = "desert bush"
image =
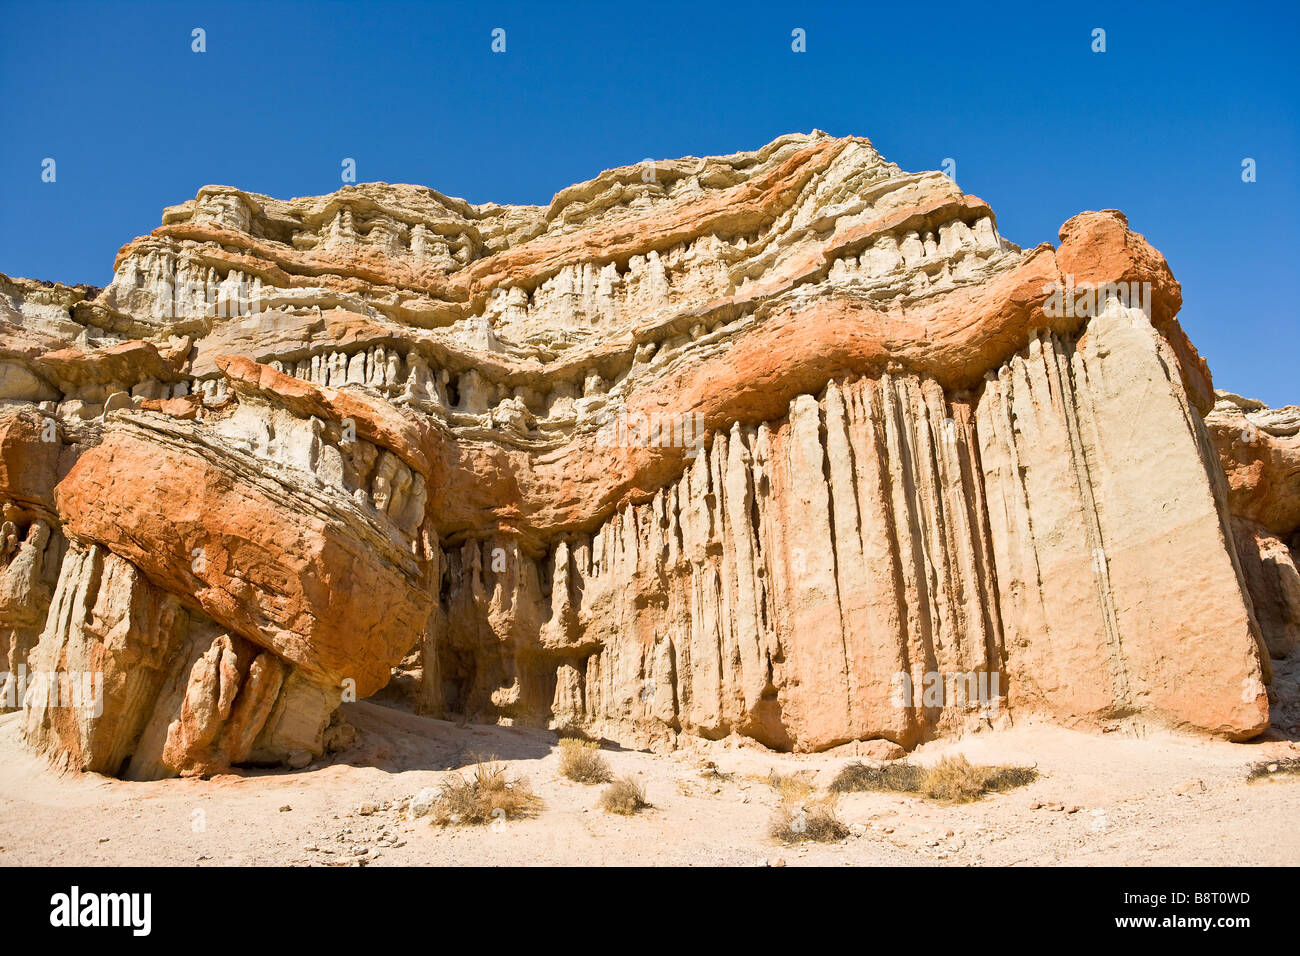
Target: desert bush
x,y
580,760
790,787
1272,768
817,821
952,779
799,816
475,799
998,779
898,777
625,796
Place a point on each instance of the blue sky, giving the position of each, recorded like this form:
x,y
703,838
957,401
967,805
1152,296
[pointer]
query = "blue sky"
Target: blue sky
x,y
1039,125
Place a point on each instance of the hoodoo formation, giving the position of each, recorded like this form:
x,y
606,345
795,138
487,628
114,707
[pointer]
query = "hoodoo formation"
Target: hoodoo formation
x,y
729,446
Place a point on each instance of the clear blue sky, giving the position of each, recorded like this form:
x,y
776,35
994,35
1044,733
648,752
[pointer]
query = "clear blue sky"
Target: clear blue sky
x,y
1040,126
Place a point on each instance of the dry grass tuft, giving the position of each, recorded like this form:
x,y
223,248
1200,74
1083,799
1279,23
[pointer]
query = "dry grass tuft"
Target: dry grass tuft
x,y
484,796
898,777
580,760
952,779
997,779
799,815
625,796
955,780
817,821
791,788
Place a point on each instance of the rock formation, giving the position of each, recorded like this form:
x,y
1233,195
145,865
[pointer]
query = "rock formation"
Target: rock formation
x,y
756,444
1259,450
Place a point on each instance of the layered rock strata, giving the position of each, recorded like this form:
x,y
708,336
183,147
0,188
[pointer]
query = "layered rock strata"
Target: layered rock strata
x,y
787,444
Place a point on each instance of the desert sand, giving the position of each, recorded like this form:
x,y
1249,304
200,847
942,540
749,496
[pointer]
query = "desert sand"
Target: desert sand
x,y
1157,800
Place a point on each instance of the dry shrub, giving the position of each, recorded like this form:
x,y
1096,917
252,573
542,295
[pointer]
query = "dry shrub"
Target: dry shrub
x,y
957,780
475,800
997,779
952,779
898,777
799,816
791,788
580,760
625,796
816,821
1274,768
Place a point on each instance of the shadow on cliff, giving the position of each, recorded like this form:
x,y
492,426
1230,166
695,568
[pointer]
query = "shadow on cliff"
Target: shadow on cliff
x,y
392,739
1284,699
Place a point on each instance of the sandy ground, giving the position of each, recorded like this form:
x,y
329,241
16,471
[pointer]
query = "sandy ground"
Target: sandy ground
x,y
1158,800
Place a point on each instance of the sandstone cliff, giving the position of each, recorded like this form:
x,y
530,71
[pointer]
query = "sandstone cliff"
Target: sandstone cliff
x,y
757,444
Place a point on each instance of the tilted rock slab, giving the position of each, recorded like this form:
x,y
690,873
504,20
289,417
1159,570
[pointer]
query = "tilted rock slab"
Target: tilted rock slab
x,y
748,445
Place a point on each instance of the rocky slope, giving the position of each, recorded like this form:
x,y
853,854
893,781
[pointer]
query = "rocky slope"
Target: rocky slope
x,y
789,444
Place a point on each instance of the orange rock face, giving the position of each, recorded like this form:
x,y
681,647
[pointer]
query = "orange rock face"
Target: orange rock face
x,y
296,576
788,444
